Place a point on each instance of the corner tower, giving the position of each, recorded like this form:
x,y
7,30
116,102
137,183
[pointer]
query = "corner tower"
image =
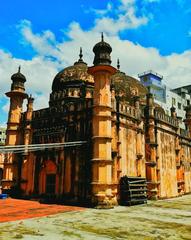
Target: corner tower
x,y
16,95
102,195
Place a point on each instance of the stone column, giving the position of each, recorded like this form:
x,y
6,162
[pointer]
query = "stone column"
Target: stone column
x,y
138,137
102,136
173,112
179,166
136,102
26,179
151,148
188,119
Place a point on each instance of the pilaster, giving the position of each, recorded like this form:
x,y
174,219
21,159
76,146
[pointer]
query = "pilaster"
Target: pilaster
x,y
188,119
25,180
151,149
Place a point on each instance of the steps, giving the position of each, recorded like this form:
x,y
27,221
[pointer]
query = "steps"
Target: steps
x,y
133,190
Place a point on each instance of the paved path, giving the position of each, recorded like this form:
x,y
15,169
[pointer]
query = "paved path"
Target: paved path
x,y
14,209
157,220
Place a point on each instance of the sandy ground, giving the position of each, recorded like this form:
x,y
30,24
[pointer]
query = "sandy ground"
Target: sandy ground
x,y
164,219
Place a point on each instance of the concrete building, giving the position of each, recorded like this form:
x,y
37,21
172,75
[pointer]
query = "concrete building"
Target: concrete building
x,y
129,145
2,135
165,96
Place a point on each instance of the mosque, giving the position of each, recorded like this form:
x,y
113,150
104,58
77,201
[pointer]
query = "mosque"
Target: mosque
x,y
122,147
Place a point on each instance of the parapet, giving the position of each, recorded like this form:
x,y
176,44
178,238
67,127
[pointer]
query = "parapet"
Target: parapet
x,y
166,119
129,111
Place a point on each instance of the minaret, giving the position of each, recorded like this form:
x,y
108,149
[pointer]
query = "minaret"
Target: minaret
x,y
102,158
16,95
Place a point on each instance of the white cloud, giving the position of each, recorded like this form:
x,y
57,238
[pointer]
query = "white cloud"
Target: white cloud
x,y
41,100
134,58
39,72
151,1
102,12
127,2
43,43
125,18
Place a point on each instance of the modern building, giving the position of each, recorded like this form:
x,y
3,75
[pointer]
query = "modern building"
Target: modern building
x,y
2,135
117,143
185,93
167,97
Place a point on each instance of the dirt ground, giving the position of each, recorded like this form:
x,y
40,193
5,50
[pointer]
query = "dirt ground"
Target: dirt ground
x,y
164,219
14,209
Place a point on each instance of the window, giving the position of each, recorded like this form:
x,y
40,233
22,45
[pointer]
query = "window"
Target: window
x,y
50,183
179,105
173,102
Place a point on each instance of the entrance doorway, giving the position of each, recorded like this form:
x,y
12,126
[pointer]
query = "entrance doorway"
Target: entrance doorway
x,y
50,183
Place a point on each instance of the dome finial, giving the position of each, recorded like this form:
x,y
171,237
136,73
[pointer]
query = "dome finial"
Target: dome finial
x,y
80,55
80,60
102,37
118,64
19,69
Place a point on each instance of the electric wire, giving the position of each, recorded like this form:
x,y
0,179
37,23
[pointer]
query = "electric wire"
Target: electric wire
x,y
37,147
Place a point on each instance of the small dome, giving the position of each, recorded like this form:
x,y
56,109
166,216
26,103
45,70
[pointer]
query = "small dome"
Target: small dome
x,y
18,76
127,87
102,46
102,52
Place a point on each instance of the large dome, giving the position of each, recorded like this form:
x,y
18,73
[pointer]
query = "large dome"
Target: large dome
x,y
127,87
77,72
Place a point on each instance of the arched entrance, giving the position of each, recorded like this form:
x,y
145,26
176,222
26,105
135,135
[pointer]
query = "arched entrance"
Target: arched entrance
x,y
48,178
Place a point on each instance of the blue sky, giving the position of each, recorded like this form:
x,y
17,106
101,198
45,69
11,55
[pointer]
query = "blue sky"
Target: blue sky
x,y
45,36
168,28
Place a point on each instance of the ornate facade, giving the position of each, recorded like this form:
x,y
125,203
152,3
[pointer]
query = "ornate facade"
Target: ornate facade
x,y
124,133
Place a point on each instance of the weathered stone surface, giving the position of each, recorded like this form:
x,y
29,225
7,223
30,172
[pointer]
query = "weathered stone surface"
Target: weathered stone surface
x,y
126,134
